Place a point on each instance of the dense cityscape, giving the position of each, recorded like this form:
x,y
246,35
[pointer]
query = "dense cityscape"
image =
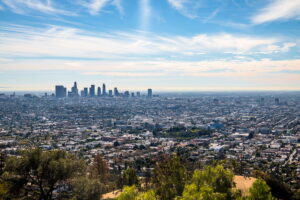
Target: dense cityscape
x,y
259,130
61,92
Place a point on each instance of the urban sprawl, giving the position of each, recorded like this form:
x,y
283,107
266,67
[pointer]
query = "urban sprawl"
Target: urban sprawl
x,y
257,129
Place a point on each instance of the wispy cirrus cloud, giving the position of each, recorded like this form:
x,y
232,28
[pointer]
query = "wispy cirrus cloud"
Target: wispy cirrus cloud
x,y
42,6
125,74
262,74
96,6
253,70
58,41
211,16
187,8
278,10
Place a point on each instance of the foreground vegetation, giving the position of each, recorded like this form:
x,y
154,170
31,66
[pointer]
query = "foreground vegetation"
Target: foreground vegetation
x,y
170,181
45,175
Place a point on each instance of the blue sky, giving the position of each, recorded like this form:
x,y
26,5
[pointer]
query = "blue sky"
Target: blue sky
x,y
168,45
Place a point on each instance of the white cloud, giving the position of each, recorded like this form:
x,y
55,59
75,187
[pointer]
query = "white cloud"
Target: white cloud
x,y
125,74
276,49
3,60
278,10
187,8
59,41
216,68
23,6
258,74
94,6
212,15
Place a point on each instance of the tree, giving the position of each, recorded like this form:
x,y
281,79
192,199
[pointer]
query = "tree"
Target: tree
x,y
132,193
2,162
260,191
129,177
204,193
278,188
148,195
3,190
214,183
129,193
87,188
37,173
169,178
220,179
99,169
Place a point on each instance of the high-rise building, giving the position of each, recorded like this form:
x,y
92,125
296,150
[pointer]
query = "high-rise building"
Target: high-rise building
x,y
60,91
110,93
138,94
149,93
70,94
85,91
126,93
104,89
74,90
132,94
98,91
82,93
92,91
116,92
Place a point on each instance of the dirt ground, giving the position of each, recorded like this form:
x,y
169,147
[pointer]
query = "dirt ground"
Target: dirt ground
x,y
244,183
111,195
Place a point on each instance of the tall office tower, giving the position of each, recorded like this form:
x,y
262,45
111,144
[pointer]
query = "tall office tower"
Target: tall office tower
x,y
132,94
85,92
82,93
60,91
116,92
110,93
103,89
126,93
149,93
74,90
92,91
70,94
138,94
98,91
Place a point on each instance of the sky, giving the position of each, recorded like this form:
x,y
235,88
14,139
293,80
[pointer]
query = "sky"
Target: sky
x,y
166,45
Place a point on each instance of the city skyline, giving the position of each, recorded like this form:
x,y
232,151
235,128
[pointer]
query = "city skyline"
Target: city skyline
x,y
95,91
167,45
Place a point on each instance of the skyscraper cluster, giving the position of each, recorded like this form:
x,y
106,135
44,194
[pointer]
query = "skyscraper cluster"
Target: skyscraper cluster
x,y
61,92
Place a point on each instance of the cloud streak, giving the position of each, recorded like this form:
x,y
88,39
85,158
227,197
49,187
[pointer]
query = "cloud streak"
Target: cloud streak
x,y
24,6
258,74
205,68
58,41
278,10
94,6
187,8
